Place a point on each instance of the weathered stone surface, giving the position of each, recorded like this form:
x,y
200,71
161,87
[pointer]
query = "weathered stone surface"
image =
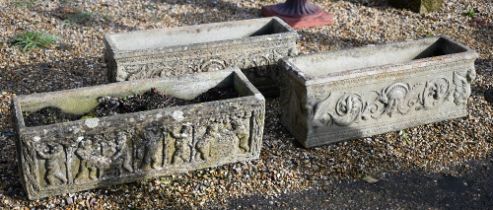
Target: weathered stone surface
x,y
256,43
97,152
360,92
421,6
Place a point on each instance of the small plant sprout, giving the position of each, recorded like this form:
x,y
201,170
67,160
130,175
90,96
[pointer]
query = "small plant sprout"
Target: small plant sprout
x,y
470,13
405,137
33,39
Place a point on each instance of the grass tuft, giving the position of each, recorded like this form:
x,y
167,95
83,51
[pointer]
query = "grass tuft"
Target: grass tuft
x,y
405,137
470,13
33,39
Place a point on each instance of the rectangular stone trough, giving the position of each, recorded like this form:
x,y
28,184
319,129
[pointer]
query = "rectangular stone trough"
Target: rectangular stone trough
x,y
255,44
334,96
97,152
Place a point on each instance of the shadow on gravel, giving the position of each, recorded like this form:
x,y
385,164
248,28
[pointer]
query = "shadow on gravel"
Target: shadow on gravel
x,y
52,76
410,190
214,11
484,65
369,3
9,181
484,71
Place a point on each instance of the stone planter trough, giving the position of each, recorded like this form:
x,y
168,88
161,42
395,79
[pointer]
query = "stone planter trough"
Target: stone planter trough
x,y
247,44
96,152
334,96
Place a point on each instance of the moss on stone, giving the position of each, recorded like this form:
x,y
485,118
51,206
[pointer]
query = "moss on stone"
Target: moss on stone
x,y
430,5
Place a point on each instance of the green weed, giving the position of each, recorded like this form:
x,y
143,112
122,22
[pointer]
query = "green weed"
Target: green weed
x,y
33,39
405,137
470,13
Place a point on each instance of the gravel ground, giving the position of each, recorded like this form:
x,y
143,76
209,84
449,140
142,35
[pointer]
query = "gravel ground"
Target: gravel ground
x,y
285,170
423,190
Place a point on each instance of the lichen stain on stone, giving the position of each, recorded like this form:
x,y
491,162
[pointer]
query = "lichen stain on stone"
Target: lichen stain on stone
x,y
92,123
74,130
431,5
177,115
80,138
259,96
36,138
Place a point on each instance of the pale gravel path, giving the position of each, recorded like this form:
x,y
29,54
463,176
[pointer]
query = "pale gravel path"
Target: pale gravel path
x,y
435,150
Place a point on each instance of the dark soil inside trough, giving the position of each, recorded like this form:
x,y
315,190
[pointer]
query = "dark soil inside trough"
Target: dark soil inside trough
x,y
109,105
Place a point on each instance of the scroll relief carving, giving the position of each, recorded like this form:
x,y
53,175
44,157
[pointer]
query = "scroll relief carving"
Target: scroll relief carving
x,y
175,67
147,70
92,158
395,99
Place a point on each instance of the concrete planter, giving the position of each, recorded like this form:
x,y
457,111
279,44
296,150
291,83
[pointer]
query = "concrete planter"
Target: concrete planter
x,y
256,43
366,91
97,152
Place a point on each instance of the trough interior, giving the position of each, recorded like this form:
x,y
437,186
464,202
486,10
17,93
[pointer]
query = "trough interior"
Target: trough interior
x,y
160,38
335,62
84,100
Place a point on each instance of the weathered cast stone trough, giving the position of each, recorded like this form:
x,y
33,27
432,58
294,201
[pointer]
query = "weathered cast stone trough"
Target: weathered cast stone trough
x,y
255,43
97,152
334,96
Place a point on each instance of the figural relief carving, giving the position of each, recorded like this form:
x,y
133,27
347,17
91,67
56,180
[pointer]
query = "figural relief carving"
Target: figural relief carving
x,y
151,145
87,151
123,156
242,134
99,154
53,155
203,145
86,159
183,144
462,82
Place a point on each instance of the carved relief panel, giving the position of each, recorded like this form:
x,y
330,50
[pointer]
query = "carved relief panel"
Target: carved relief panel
x,y
89,153
260,59
345,108
60,163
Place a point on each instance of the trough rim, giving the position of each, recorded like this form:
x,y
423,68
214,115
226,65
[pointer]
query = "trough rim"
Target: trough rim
x,y
230,71
297,74
120,54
